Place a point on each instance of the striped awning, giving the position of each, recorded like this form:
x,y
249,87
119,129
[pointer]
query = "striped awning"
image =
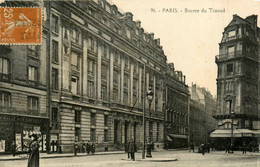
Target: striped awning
x,y
227,133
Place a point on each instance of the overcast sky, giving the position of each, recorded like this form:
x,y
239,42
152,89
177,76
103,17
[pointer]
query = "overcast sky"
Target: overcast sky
x,y
190,40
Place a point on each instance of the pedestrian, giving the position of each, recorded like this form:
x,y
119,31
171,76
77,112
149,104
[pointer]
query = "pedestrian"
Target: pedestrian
x,y
83,145
208,147
93,148
88,147
244,148
227,148
33,159
127,150
13,148
202,146
191,147
132,149
212,146
75,148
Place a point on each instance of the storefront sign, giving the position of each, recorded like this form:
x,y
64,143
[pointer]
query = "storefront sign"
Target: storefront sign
x,y
11,118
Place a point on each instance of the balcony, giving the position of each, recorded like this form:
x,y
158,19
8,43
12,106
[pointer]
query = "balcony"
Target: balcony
x,y
236,54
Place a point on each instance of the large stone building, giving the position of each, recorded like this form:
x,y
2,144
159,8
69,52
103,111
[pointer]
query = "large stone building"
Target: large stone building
x,y
202,106
89,77
238,81
177,109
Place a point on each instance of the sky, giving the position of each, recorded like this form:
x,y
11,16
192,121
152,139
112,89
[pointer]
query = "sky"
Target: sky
x,y
190,31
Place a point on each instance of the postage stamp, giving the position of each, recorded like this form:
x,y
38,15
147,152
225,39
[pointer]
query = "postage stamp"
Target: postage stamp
x,y
20,25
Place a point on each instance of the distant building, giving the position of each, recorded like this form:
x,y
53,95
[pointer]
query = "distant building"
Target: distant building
x,y
238,82
177,106
202,105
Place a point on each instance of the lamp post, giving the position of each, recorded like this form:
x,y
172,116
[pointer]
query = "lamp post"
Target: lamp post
x,y
232,115
149,95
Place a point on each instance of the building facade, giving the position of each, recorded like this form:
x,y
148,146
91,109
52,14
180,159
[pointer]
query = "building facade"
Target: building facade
x,y
238,78
177,109
202,106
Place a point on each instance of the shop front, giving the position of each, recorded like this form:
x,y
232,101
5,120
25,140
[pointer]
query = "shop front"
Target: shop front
x,y
15,131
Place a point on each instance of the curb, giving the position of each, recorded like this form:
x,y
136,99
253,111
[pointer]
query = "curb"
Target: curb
x,y
159,160
58,156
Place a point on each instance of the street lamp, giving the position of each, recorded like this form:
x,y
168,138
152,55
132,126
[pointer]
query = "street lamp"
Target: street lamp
x,y
232,115
149,95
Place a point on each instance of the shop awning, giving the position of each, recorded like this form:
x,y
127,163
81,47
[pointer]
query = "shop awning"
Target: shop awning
x,y
227,133
178,136
256,133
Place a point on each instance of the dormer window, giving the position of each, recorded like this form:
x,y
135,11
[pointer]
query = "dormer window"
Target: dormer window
x,y
128,34
232,34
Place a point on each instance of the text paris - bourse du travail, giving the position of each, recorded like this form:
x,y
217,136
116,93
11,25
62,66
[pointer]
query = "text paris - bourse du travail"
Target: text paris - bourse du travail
x,y
187,10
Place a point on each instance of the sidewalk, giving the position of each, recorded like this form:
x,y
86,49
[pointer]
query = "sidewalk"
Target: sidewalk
x,y
9,157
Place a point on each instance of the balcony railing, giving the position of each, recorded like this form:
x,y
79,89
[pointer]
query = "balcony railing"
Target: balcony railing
x,y
236,54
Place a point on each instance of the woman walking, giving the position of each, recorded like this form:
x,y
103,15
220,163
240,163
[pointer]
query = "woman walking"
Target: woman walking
x,y
33,159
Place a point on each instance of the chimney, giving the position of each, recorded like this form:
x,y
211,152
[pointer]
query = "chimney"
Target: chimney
x,y
152,35
129,15
138,24
252,20
157,41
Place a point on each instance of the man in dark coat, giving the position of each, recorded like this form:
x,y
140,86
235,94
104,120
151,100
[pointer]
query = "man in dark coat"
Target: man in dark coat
x,y
132,149
93,148
127,149
191,147
88,147
203,148
13,148
244,147
33,159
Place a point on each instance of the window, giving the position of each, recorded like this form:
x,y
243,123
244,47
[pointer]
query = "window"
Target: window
x,y
125,98
32,73
32,103
91,67
4,68
128,34
55,24
91,44
77,36
74,60
55,51
105,135
93,135
157,134
232,33
66,33
126,81
93,119
104,93
55,85
77,116
115,94
91,89
77,134
106,52
231,50
104,73
32,50
54,115
105,120
115,77
229,69
74,85
5,99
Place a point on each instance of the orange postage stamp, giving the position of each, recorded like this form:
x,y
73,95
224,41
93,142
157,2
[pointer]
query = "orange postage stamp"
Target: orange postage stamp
x,y
20,25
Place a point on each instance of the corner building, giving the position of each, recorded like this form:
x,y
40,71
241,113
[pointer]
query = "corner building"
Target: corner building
x,y
101,63
238,82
